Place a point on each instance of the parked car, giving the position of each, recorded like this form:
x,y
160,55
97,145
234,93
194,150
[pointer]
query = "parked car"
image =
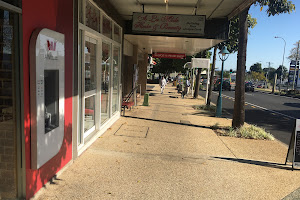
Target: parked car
x,y
260,86
226,85
249,87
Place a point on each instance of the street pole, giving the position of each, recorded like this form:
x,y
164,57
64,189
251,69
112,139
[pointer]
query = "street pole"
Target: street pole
x,y
223,52
295,71
281,75
219,102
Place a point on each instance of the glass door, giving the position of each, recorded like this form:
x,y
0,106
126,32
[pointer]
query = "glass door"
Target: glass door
x,y
115,79
105,82
90,85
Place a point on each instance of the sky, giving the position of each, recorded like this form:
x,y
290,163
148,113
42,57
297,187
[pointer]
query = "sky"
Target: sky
x,y
262,46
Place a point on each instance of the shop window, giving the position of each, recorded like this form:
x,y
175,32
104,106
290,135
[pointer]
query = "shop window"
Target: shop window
x,y
106,27
7,56
92,16
117,33
90,66
89,113
9,66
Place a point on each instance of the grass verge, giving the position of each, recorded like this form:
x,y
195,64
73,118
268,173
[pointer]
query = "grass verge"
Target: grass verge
x,y
246,131
210,108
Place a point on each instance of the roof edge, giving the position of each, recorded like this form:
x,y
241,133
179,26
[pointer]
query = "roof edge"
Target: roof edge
x,y
240,8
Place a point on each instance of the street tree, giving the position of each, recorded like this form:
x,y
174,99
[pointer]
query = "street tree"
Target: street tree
x,y
269,72
274,7
231,44
282,70
295,52
258,76
256,67
167,66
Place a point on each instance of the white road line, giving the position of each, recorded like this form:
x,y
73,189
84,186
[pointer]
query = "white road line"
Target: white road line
x,y
262,108
278,95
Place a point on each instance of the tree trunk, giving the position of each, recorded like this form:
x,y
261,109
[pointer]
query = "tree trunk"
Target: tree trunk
x,y
211,81
239,102
196,93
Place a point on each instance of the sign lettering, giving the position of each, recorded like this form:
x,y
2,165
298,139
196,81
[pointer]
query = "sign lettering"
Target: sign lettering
x,y
177,24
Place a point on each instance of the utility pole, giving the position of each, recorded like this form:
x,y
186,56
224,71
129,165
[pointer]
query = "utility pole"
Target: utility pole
x,y
267,75
295,71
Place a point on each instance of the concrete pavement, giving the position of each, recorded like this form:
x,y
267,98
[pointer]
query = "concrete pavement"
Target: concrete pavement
x,y
168,151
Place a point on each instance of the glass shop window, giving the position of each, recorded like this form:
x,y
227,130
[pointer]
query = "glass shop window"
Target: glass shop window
x,y
117,33
92,16
106,27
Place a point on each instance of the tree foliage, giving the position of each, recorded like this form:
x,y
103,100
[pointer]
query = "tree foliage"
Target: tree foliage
x,y
233,39
167,66
269,72
256,68
259,76
282,70
294,53
276,7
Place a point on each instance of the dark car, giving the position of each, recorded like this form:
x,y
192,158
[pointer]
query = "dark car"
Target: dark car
x,y
226,85
249,87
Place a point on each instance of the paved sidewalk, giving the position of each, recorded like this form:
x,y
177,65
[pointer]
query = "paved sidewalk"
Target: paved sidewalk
x,y
168,151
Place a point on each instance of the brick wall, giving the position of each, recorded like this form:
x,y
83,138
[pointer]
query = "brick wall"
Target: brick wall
x,y
7,160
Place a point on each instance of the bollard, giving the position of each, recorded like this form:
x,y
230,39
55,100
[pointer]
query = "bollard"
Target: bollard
x,y
146,98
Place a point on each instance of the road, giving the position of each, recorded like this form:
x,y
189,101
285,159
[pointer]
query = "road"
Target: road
x,y
275,113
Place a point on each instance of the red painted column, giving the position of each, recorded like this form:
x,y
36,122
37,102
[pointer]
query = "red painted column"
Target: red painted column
x,y
56,15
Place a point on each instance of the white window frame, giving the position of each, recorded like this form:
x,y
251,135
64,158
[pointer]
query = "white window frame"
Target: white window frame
x,y
100,38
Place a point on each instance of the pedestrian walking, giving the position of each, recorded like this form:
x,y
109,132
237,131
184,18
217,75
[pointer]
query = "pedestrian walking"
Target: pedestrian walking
x,y
186,88
163,84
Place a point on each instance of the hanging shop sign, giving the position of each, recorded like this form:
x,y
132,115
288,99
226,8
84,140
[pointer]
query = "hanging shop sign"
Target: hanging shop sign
x,y
47,95
169,55
293,154
176,24
203,63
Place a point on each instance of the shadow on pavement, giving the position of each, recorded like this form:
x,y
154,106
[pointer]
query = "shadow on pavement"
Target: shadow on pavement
x,y
259,163
169,122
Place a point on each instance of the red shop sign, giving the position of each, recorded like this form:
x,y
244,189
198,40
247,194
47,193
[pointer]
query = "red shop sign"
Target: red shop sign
x,y
169,55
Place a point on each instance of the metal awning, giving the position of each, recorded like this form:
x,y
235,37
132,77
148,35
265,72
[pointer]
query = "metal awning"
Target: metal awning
x,y
211,9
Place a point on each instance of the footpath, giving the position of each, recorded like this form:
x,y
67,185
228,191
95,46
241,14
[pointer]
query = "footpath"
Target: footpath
x,y
167,150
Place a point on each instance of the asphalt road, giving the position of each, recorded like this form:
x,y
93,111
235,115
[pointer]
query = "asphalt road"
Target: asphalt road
x,y
275,113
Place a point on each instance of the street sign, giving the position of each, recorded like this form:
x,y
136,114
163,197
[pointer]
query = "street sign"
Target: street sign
x,y
292,71
293,154
169,55
203,63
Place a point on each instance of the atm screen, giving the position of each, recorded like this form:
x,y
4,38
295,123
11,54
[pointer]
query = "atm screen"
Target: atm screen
x,y
51,99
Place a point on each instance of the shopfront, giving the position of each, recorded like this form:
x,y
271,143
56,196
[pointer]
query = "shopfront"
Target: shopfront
x,y
99,72
10,111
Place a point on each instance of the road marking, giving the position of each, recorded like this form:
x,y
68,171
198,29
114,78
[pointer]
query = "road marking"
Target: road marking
x,y
278,95
273,113
290,117
286,118
253,106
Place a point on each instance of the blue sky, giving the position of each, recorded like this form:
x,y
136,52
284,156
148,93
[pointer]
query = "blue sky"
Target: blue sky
x,y
262,46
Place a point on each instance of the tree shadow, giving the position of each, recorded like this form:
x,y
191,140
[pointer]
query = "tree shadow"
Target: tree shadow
x,y
295,105
169,122
258,163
